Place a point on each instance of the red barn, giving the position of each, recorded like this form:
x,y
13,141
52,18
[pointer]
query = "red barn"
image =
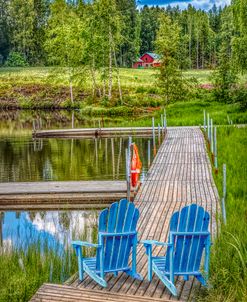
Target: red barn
x,y
149,59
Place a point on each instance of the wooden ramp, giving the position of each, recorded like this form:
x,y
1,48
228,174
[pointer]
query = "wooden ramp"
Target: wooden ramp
x,y
94,132
180,175
60,194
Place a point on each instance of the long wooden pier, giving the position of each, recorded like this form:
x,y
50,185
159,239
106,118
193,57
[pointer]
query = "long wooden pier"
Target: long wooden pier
x,y
60,194
94,132
179,175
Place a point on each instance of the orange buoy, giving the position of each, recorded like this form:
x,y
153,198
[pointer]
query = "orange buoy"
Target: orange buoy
x,y
136,165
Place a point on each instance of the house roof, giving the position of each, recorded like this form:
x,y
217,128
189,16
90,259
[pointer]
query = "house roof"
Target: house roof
x,y
155,56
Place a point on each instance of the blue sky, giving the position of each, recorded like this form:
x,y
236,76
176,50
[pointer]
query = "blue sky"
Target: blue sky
x,y
203,4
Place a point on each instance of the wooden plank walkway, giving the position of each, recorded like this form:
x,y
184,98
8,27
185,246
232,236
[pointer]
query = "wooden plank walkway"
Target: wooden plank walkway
x,y
180,175
94,132
60,194
64,293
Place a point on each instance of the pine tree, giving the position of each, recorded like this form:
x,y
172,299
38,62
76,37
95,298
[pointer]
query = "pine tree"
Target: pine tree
x,y
239,41
21,14
4,31
41,14
224,77
149,27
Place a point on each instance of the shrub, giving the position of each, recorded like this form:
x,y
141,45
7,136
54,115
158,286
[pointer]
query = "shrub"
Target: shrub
x,y
239,95
16,59
140,89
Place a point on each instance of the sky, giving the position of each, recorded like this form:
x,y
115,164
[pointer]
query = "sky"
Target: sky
x,y
202,4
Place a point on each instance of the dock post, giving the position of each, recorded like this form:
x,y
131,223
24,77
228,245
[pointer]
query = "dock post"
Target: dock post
x,y
162,123
165,123
208,129
224,194
129,169
159,133
153,129
149,153
204,121
212,137
215,150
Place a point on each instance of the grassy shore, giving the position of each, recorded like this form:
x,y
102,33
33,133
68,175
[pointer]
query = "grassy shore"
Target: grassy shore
x,y
228,268
47,88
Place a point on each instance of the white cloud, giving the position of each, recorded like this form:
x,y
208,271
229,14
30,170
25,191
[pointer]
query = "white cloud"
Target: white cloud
x,y
199,4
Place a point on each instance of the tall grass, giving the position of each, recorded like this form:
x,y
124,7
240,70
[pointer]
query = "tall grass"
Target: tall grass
x,y
24,270
229,253
25,267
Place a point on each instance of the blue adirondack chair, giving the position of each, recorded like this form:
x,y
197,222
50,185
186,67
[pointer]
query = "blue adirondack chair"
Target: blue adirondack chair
x,y
188,239
117,237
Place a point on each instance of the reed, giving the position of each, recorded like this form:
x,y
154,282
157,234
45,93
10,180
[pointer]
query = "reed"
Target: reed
x,y
25,267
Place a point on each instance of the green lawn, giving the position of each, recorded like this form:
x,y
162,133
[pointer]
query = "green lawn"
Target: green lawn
x,y
129,77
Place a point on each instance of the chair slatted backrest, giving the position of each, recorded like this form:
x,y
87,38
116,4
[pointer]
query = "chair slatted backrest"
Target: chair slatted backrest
x,y
188,249
122,217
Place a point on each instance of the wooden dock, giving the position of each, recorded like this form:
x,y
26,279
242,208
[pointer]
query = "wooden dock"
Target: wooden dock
x,y
94,132
179,175
60,194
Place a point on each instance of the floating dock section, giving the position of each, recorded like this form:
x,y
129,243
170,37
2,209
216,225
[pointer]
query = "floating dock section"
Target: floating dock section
x,y
95,132
60,194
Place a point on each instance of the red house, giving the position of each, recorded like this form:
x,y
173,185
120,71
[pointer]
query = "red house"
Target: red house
x,y
149,59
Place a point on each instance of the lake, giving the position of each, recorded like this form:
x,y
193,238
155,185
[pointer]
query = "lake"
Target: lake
x,y
24,159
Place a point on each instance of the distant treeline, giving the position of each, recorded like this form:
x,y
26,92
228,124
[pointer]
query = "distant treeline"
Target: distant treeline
x,y
27,28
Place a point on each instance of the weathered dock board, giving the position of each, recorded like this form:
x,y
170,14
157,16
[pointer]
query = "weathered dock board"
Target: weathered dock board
x,y
180,175
94,132
55,292
60,194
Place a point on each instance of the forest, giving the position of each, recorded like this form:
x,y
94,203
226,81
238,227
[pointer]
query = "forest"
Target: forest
x,y
35,29
95,40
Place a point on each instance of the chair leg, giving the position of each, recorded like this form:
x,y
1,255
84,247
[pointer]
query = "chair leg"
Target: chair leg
x,y
80,262
133,273
150,263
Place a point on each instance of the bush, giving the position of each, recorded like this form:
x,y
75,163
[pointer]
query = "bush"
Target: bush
x,y
16,59
239,96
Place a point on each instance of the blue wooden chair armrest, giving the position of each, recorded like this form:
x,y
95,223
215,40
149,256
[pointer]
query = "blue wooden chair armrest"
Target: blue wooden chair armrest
x,y
154,242
84,243
148,245
107,234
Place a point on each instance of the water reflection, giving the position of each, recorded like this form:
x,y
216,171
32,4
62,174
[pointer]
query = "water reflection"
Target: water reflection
x,y
22,159
25,159
52,228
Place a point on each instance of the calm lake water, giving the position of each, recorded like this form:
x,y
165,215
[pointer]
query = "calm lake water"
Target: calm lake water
x,y
25,159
